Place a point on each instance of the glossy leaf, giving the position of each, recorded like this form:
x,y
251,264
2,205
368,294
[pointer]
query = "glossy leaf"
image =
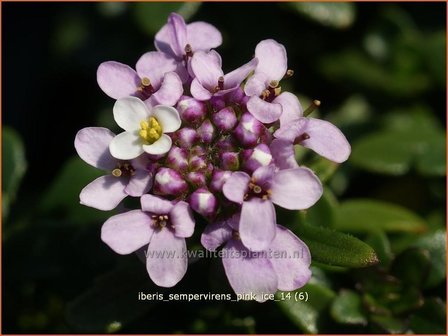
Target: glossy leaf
x,y
412,266
380,243
13,166
306,314
336,248
336,15
364,215
347,308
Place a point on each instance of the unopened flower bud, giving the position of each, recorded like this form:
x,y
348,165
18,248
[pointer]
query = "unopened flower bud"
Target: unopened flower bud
x,y
204,202
225,119
177,158
197,179
186,137
191,110
198,151
219,177
237,96
206,131
218,103
255,158
197,163
226,144
248,130
167,181
229,161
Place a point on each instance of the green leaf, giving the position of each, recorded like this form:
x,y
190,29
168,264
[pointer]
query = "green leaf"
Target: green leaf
x,y
306,314
63,194
432,162
13,166
337,15
434,48
412,266
336,248
389,324
113,300
381,244
323,168
430,319
364,215
347,308
151,16
323,212
435,244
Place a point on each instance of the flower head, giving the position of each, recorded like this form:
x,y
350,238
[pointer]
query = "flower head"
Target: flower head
x,y
145,129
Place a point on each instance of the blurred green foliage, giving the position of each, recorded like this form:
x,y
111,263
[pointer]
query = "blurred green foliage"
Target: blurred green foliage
x,y
377,236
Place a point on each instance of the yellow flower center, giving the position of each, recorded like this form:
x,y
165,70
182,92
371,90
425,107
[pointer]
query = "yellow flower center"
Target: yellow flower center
x,y
150,130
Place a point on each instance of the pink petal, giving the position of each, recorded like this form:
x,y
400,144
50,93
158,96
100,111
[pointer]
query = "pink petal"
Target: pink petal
x,y
166,260
139,183
257,224
169,92
198,91
178,33
154,65
236,187
216,234
182,220
206,69
326,140
291,108
256,84
92,145
263,175
248,272
295,189
162,42
203,36
117,80
127,232
272,59
283,154
292,267
233,79
156,205
104,193
291,130
264,111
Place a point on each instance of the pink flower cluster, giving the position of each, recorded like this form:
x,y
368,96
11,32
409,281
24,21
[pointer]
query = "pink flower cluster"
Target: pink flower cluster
x,y
198,142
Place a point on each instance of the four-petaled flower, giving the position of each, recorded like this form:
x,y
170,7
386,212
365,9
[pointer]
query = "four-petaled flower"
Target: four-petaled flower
x,y
161,225
144,128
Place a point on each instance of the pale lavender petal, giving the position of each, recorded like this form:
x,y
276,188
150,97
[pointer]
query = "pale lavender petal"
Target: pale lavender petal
x,y
216,234
283,154
127,232
233,79
139,183
264,111
117,80
198,91
291,130
92,145
326,140
156,205
248,272
206,69
296,189
182,220
178,33
126,146
236,187
291,108
256,84
166,260
272,59
104,193
263,175
203,36
217,59
292,265
154,65
129,112
169,92
162,42
257,224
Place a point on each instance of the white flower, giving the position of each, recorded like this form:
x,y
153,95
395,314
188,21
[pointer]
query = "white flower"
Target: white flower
x,y
144,129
